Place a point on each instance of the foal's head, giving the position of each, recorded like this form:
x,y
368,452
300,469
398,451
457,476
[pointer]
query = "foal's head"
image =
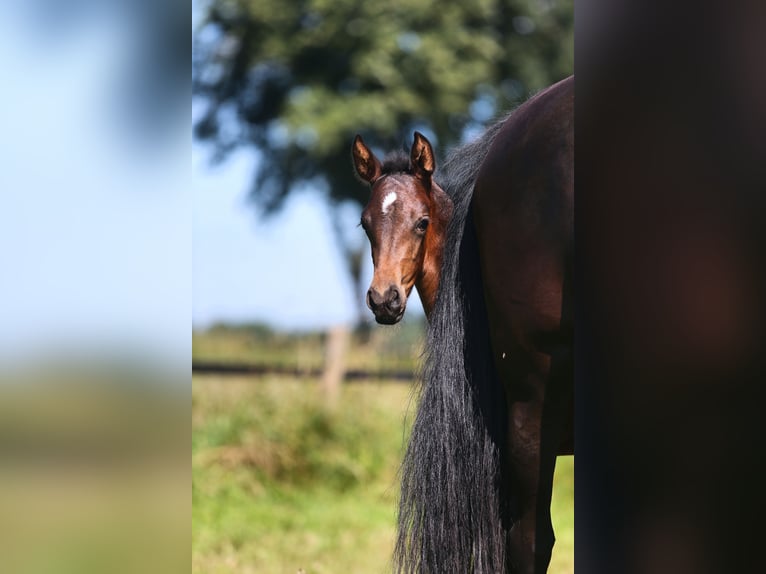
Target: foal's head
x,y
405,221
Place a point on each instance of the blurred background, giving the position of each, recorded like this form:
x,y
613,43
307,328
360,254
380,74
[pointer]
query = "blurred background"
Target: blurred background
x,y
301,405
95,290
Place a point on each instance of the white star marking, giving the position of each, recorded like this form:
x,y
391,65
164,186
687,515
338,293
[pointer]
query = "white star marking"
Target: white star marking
x,y
388,201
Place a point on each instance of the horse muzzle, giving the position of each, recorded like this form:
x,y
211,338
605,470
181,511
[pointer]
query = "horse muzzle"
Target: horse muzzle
x,y
387,307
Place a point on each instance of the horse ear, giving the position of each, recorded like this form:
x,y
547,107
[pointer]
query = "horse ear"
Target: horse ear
x,y
422,157
366,164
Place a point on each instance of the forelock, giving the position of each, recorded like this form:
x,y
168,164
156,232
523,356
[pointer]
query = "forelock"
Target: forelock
x,y
397,162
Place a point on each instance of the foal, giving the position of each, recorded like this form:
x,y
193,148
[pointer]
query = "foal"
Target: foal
x,y
406,221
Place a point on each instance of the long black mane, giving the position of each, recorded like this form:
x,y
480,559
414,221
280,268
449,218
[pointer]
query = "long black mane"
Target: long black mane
x,y
454,512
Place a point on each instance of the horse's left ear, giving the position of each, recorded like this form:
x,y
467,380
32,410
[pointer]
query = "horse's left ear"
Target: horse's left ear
x,y
422,157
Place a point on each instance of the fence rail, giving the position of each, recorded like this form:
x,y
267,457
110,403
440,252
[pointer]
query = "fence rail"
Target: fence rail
x,y
351,375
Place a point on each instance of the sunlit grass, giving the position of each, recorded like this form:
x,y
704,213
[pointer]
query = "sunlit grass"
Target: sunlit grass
x,y
562,516
283,481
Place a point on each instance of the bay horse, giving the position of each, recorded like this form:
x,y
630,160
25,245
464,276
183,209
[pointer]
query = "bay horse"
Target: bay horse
x,y
496,399
407,215
406,222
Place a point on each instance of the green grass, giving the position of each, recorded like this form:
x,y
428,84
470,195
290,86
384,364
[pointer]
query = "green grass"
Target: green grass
x,y
562,516
283,482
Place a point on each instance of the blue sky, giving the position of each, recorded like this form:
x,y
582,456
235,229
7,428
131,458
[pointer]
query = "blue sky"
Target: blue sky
x,y
108,241
285,270
95,224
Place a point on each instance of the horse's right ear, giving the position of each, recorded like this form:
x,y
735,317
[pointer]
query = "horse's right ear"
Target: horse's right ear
x,y
366,164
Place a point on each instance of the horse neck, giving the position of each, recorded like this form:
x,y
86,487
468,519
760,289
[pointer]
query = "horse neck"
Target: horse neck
x,y
427,282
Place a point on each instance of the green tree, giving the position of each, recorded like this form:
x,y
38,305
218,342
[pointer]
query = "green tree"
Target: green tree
x,y
297,79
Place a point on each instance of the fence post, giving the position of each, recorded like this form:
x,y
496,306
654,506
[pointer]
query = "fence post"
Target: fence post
x,y
336,347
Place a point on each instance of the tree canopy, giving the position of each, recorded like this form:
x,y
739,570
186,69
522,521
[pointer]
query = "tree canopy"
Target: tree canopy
x,y
297,79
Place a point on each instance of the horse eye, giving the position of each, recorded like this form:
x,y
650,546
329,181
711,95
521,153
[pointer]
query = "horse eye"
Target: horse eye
x,y
422,225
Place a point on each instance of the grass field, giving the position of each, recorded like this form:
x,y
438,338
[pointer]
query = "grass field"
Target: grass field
x,y
282,482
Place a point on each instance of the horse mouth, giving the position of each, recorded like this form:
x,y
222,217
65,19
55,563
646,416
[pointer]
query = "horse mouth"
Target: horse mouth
x,y
386,319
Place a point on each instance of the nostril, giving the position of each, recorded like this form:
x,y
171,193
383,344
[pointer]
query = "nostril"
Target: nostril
x,y
370,302
394,300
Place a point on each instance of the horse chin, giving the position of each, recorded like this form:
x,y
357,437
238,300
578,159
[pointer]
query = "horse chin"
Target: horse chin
x,y
385,319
